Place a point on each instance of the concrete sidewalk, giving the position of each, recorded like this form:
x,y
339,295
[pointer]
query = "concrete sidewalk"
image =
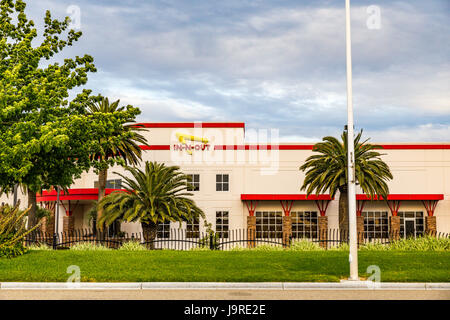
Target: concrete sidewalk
x,y
343,285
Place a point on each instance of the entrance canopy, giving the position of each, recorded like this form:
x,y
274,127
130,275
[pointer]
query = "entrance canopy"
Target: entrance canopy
x,y
286,201
276,197
398,197
394,200
72,194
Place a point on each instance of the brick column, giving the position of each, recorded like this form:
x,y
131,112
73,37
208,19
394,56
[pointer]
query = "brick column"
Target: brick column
x,y
323,231
287,230
394,222
360,229
48,224
430,225
51,224
251,231
68,223
43,226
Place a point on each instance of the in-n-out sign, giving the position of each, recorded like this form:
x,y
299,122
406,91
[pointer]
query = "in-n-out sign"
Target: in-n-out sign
x,y
187,137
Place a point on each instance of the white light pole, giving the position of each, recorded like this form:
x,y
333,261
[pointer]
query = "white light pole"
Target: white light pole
x,y
57,211
353,257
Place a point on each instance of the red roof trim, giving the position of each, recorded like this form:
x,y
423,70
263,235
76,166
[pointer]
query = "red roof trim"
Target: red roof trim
x,y
306,147
404,197
284,197
310,147
415,146
73,194
193,125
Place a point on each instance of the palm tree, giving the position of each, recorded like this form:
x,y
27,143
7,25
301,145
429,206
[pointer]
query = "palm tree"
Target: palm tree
x,y
152,196
127,148
327,171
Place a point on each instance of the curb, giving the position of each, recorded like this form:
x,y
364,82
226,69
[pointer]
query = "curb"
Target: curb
x,y
350,285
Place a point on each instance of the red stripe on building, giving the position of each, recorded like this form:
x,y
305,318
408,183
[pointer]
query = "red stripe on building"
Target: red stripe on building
x,y
263,147
155,147
310,147
193,125
415,146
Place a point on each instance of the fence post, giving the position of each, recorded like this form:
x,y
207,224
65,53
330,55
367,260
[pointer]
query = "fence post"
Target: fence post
x,y
211,241
54,241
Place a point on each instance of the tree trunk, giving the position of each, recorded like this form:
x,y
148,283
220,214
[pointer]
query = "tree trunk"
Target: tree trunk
x,y
149,232
32,213
343,210
16,186
102,176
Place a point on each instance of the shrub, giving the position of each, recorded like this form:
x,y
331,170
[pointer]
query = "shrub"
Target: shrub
x,y
237,247
425,243
374,246
13,231
12,251
200,248
267,247
132,246
341,247
305,245
88,246
40,246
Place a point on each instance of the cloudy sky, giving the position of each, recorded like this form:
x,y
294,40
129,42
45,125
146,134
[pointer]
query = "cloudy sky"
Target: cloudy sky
x,y
271,64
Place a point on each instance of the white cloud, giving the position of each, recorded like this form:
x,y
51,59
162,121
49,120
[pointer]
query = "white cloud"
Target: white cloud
x,y
277,67
426,133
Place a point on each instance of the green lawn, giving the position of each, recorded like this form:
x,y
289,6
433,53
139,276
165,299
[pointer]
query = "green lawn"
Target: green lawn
x,y
231,266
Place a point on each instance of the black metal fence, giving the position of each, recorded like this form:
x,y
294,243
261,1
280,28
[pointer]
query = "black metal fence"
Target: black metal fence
x,y
181,239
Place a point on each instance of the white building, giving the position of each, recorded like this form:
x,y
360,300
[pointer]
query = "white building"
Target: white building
x,y
235,180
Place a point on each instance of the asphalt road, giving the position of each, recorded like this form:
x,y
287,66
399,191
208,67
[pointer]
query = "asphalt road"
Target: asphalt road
x,y
224,294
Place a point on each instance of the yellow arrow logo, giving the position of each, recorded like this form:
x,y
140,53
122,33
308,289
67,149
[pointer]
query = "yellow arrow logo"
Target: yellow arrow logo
x,y
183,137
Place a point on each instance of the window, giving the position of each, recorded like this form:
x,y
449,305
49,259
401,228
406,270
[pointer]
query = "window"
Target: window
x,y
163,230
376,224
222,182
111,184
195,182
304,224
222,224
193,229
411,224
269,224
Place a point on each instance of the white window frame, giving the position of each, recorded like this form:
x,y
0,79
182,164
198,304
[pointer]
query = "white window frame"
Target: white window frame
x,y
222,216
163,228
269,224
194,183
309,230
403,220
373,215
222,183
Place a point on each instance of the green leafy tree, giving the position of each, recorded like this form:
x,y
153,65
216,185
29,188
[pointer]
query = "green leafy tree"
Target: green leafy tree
x,y
153,195
121,147
327,171
45,140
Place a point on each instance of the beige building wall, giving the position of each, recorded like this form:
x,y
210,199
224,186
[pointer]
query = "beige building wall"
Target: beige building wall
x,y
418,171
